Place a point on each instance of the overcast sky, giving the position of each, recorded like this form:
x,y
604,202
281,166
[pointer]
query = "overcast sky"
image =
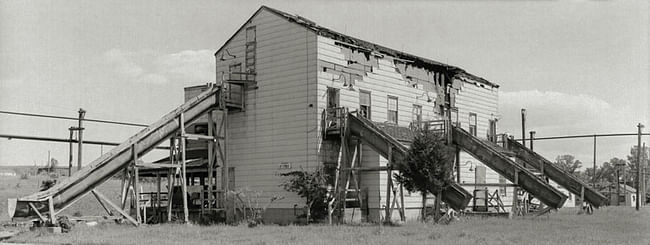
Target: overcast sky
x,y
579,67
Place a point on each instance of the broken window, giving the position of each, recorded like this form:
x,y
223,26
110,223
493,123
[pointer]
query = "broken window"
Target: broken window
x,y
392,109
417,114
364,104
472,124
250,49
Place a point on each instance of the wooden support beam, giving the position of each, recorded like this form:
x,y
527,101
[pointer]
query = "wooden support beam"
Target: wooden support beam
x,y
211,160
170,179
50,204
136,177
186,212
158,198
43,218
198,137
118,209
108,211
389,185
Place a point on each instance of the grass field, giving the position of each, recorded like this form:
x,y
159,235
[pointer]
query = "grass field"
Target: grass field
x,y
612,225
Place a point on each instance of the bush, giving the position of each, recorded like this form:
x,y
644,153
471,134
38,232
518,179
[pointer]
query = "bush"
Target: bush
x,y
313,187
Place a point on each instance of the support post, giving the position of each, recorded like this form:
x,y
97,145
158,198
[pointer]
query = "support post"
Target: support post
x,y
70,152
50,204
158,189
108,211
136,190
211,160
183,169
389,183
82,113
638,168
532,138
594,172
523,127
170,179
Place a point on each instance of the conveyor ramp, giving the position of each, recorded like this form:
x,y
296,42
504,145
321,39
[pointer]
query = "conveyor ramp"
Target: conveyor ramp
x,y
558,175
455,196
492,155
97,172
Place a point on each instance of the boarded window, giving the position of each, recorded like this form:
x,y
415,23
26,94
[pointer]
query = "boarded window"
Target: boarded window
x,y
417,114
479,176
231,178
454,116
364,104
472,124
392,109
251,45
502,188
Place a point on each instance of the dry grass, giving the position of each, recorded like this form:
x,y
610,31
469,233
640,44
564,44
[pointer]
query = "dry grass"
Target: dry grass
x,y
607,226
613,225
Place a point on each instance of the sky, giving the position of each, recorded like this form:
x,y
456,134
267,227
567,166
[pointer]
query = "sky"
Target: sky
x,y
578,67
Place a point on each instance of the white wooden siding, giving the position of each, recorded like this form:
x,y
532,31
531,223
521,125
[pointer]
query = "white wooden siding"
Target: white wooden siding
x,y
278,124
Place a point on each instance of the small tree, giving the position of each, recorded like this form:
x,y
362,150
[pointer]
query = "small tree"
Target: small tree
x,y
427,166
313,187
568,163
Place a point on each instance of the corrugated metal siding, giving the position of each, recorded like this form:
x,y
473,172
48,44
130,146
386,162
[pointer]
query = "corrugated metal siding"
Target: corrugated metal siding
x,y
278,125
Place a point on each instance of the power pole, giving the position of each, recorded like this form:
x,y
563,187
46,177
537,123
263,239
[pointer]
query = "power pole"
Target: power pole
x,y
638,168
523,127
532,137
82,113
594,176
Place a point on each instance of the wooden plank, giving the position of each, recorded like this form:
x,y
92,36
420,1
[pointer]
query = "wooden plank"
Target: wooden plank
x,y
119,210
43,218
136,189
108,211
186,213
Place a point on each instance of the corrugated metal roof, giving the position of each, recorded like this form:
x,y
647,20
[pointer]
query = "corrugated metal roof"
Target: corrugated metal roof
x,y
413,59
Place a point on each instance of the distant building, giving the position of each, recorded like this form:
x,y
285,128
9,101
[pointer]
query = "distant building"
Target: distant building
x,y
59,171
7,172
626,195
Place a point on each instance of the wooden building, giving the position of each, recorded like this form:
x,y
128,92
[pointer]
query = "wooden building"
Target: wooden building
x,y
300,69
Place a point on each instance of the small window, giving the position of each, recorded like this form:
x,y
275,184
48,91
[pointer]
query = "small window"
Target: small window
x,y
392,109
364,104
472,124
250,34
417,114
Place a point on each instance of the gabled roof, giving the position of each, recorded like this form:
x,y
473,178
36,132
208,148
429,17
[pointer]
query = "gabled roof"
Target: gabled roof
x,y
325,32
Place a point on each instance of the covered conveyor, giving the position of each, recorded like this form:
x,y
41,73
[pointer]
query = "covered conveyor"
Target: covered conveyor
x,y
553,172
492,155
455,196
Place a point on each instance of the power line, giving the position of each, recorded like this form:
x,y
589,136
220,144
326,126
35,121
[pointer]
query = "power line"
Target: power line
x,y
585,136
73,118
39,138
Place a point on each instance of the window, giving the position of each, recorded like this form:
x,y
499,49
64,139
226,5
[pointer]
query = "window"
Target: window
x,y
472,124
250,49
332,97
454,116
417,114
502,187
364,104
392,109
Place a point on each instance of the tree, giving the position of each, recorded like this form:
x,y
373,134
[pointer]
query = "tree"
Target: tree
x,y
568,163
313,187
53,164
427,166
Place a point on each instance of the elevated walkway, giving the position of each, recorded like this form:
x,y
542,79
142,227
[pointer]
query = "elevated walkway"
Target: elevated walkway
x,y
497,159
553,172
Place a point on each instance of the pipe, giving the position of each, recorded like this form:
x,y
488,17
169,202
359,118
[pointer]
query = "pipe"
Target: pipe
x,y
40,138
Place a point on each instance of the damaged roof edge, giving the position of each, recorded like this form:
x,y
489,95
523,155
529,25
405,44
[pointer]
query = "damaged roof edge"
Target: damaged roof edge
x,y
325,32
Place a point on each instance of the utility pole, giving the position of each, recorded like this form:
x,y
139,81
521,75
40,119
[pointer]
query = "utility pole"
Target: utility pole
x,y
594,176
523,127
638,167
532,137
82,113
71,129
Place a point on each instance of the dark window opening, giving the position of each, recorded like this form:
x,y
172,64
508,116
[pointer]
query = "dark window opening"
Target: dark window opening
x,y
472,124
364,104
